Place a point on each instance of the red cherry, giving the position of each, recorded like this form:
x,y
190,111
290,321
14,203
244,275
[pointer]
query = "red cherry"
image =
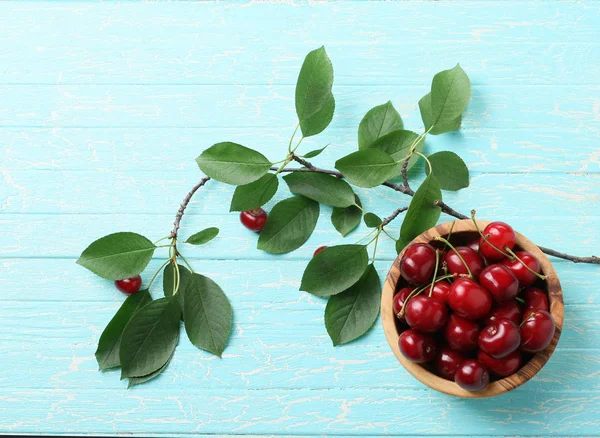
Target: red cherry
x,y
319,249
417,347
509,310
418,263
468,299
537,331
474,245
254,220
426,314
441,289
471,258
447,362
129,286
503,367
500,338
472,376
460,333
500,282
501,235
535,299
524,275
399,300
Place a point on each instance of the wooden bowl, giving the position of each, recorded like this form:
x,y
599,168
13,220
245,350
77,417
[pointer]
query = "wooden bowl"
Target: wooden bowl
x,y
463,230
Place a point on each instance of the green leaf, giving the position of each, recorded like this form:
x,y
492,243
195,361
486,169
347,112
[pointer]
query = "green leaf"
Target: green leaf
x,y
118,256
398,143
169,282
233,163
378,122
313,89
150,338
320,187
350,314
133,381
422,212
314,153
367,167
289,225
372,220
441,127
203,236
256,194
450,170
107,354
346,219
334,269
208,314
320,120
450,95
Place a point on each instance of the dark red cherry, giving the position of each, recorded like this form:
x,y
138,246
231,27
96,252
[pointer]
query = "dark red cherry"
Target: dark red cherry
x,y
472,376
500,338
418,263
524,275
319,249
501,235
500,282
537,331
471,258
441,289
416,346
129,286
503,367
254,220
460,333
447,363
426,314
535,299
474,245
399,300
468,299
509,310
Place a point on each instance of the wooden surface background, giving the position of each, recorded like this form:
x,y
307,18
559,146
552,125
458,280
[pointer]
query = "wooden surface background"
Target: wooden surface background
x,y
103,108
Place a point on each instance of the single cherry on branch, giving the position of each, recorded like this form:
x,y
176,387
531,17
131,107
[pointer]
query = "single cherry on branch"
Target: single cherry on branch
x,y
254,220
319,249
129,286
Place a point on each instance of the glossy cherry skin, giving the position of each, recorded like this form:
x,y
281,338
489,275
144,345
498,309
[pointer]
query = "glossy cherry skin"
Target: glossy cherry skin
x,y
426,314
501,235
399,300
500,338
418,263
416,346
441,289
537,331
499,281
254,220
468,299
461,334
535,299
524,275
447,363
319,249
509,310
129,286
471,258
474,245
503,367
472,376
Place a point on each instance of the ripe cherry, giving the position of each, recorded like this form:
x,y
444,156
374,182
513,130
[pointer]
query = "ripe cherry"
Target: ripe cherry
x,y
500,338
501,235
468,299
509,310
535,299
460,333
471,258
426,314
503,367
416,346
474,245
524,275
472,376
399,300
129,286
418,263
500,282
441,289
254,220
537,331
319,249
447,362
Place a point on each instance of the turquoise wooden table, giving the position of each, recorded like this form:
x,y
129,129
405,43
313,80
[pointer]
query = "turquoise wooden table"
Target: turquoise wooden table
x,y
103,108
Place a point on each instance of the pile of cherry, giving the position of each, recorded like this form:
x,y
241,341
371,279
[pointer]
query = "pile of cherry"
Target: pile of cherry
x,y
472,310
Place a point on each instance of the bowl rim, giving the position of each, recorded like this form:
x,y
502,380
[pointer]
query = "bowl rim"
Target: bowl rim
x,y
527,371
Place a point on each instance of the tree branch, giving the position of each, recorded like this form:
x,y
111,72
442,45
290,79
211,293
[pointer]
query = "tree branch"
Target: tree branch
x,y
393,216
184,205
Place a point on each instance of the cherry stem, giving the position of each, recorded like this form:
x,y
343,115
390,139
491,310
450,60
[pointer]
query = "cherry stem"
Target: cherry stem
x,y
441,239
186,262
520,300
537,274
292,137
389,235
158,272
376,238
530,316
437,263
487,236
450,232
393,216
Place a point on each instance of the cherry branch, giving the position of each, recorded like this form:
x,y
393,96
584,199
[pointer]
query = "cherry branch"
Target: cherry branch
x,y
184,205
